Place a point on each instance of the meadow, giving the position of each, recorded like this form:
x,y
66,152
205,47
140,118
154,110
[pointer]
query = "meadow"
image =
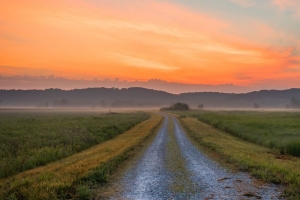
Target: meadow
x,y
79,175
275,130
253,141
32,138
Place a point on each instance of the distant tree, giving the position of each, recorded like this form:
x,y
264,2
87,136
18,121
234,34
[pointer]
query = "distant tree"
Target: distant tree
x,y
200,107
287,106
295,103
46,104
177,106
256,105
181,106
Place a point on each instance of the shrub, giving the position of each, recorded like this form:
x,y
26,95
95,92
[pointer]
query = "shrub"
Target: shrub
x,y
176,106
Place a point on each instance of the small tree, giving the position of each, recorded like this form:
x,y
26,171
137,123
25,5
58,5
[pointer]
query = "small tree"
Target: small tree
x,y
256,106
180,106
287,106
176,106
200,107
46,104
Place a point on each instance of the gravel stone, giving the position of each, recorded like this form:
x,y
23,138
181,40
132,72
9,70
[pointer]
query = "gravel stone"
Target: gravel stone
x,y
198,177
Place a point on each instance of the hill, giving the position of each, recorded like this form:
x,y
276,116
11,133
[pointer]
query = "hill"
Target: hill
x,y
136,97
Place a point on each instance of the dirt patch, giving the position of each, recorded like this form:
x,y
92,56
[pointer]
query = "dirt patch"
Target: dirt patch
x,y
223,179
284,157
250,194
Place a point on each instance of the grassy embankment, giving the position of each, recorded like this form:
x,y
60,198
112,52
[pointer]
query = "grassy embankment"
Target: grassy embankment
x,y
263,161
34,138
73,176
278,130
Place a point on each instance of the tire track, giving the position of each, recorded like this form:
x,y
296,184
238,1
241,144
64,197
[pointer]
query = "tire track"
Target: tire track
x,y
214,181
147,178
173,168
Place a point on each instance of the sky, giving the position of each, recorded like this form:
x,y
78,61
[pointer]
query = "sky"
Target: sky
x,y
251,44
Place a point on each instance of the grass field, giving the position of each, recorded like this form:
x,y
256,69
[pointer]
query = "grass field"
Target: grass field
x,y
73,177
262,162
278,130
237,138
31,138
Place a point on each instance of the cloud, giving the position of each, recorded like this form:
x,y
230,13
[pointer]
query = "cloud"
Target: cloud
x,y
244,3
140,40
42,82
143,63
293,5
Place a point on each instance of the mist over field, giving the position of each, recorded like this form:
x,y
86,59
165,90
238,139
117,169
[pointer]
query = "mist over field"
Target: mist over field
x,y
151,99
141,98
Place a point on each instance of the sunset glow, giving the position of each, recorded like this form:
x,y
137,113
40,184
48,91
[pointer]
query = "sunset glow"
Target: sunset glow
x,y
245,43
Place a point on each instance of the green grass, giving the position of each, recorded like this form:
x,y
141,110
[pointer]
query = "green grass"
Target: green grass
x,y
262,162
83,192
175,164
278,130
31,138
75,176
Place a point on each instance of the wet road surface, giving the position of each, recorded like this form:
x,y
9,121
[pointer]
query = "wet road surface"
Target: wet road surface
x,y
173,168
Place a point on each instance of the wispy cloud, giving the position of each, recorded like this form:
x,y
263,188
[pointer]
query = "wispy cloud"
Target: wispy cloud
x,y
143,63
145,39
43,82
244,3
293,5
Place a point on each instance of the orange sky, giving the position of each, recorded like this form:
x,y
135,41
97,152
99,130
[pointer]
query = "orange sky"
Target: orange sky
x,y
141,40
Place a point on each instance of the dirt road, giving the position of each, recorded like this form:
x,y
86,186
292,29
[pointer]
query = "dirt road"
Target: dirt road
x,y
173,168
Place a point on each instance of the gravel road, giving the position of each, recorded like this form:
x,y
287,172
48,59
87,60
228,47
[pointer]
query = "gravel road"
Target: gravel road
x,y
173,168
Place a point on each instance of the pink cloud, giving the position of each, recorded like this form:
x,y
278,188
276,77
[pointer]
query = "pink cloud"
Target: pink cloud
x,y
148,39
293,5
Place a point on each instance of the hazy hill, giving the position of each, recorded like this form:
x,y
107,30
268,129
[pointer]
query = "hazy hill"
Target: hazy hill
x,y
265,98
141,97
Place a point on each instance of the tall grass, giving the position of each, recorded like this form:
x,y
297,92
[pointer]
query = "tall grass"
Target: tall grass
x,y
262,162
30,139
278,130
74,176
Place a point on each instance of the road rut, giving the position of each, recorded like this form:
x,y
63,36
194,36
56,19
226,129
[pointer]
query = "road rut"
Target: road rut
x,y
173,168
